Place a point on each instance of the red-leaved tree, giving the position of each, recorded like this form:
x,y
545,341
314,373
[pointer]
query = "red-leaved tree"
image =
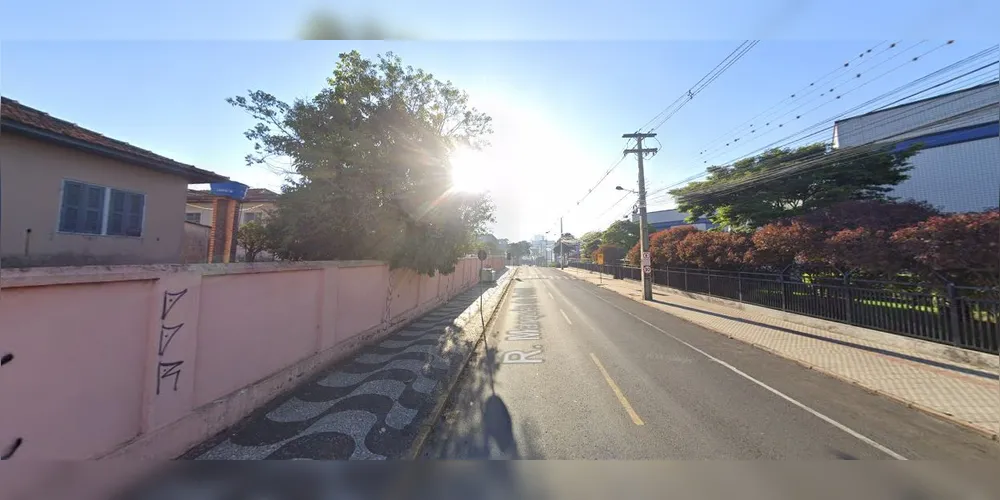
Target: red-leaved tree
x,y
781,244
634,255
861,250
713,250
664,246
963,248
876,215
851,236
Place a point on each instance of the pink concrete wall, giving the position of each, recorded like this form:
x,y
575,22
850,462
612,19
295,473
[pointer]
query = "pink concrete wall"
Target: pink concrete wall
x,y
362,291
405,290
429,289
248,328
146,361
75,386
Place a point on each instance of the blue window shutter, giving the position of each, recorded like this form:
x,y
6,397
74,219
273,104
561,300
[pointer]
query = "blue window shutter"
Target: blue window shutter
x,y
133,223
69,219
94,213
116,213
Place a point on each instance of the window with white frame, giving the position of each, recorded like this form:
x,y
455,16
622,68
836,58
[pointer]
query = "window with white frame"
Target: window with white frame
x,y
250,216
193,217
91,209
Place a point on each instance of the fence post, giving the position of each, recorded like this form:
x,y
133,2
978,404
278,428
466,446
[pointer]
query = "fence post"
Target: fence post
x,y
709,282
849,297
739,285
953,330
685,279
666,269
784,291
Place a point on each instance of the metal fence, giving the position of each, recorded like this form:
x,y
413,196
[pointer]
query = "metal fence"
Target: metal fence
x,y
961,316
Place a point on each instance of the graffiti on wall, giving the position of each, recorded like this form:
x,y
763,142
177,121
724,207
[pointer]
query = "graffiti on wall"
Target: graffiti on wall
x,y
168,370
9,451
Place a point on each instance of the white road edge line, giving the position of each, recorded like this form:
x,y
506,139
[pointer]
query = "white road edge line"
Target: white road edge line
x,y
550,295
848,430
565,317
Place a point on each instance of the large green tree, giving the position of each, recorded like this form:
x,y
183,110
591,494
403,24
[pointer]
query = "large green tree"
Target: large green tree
x,y
590,242
785,182
370,176
566,241
520,249
622,234
489,243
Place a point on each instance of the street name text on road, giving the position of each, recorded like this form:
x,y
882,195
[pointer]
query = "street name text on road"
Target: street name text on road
x,y
527,327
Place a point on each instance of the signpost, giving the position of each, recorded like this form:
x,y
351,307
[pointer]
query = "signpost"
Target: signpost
x,y
647,264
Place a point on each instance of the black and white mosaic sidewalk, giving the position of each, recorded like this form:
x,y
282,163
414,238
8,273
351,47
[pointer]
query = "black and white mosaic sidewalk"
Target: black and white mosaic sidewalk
x,y
369,407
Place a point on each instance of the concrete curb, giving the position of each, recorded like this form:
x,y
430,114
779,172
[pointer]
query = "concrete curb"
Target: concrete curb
x,y
992,435
427,426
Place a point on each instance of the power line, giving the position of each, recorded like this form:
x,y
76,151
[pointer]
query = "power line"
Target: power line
x,y
828,160
829,120
904,116
705,81
700,85
613,205
798,96
838,96
682,96
812,85
884,121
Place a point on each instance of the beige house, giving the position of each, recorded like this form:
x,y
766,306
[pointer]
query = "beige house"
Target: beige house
x,y
254,206
71,196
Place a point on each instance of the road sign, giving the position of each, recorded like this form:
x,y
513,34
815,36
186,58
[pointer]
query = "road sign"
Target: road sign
x,y
646,269
600,259
482,255
646,261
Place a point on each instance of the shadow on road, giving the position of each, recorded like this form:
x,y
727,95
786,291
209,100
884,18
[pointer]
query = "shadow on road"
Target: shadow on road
x,y
476,422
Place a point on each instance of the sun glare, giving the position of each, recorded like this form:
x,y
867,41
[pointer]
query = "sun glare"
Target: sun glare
x,y
469,169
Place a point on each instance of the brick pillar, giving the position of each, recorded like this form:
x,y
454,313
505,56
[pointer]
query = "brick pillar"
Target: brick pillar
x,y
234,224
221,242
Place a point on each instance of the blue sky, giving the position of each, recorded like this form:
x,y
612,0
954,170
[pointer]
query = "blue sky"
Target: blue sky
x,y
156,74
507,19
559,107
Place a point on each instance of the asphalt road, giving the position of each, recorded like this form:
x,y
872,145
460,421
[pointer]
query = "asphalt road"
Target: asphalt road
x,y
573,371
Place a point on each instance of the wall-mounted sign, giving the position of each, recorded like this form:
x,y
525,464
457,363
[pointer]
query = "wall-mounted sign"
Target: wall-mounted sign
x,y
234,190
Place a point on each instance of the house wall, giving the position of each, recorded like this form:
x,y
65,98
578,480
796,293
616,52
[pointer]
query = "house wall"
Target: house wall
x,y
260,208
205,209
195,243
146,361
30,197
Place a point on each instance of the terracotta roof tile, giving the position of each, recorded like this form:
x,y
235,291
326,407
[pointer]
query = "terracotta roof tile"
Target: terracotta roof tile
x,y
13,111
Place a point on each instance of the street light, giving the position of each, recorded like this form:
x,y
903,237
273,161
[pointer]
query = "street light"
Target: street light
x,y
619,188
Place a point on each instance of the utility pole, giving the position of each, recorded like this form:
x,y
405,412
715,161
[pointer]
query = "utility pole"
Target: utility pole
x,y
562,254
647,264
